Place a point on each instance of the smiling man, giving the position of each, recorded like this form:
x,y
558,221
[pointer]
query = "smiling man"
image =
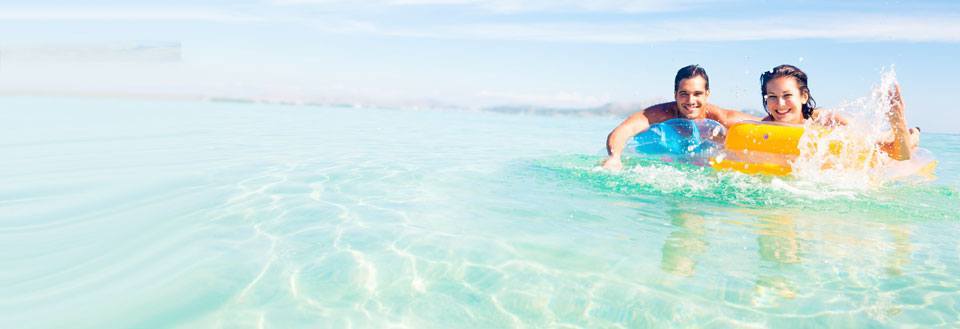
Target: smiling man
x,y
691,88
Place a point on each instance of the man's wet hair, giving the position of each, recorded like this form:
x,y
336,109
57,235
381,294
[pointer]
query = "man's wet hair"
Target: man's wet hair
x,y
688,72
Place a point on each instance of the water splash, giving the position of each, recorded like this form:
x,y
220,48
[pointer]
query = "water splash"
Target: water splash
x,y
849,157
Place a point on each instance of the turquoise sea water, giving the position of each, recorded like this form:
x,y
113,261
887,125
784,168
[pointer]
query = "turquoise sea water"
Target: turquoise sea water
x,y
132,214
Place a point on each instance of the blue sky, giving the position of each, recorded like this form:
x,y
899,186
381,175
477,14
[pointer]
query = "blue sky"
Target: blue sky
x,y
488,52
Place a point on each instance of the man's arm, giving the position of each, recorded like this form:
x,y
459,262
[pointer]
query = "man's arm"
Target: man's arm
x,y
633,125
728,117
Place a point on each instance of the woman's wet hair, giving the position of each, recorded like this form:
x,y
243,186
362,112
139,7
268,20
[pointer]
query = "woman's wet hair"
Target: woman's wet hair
x,y
688,72
795,73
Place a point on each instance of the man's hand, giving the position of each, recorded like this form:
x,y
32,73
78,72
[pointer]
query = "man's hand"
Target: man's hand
x,y
612,163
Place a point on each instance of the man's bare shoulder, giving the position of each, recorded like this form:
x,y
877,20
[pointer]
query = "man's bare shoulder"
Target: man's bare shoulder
x,y
660,112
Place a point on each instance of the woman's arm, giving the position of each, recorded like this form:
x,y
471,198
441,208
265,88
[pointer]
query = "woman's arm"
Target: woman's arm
x,y
829,119
899,148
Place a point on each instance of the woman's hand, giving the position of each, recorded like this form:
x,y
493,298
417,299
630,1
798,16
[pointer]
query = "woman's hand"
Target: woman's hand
x,y
896,107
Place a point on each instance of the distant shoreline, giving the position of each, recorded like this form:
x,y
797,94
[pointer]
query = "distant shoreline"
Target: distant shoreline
x,y
609,109
618,110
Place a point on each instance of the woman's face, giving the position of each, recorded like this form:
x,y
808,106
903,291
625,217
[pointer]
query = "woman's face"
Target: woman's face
x,y
784,101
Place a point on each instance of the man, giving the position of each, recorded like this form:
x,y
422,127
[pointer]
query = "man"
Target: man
x,y
691,88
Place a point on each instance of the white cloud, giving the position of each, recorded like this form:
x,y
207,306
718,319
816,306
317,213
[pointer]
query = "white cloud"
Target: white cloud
x,y
511,6
830,27
120,52
121,14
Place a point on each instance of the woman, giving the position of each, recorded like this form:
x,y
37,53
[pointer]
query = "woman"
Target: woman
x,y
787,99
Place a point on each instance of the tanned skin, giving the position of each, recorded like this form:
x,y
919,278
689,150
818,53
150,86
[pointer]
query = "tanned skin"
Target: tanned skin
x,y
691,103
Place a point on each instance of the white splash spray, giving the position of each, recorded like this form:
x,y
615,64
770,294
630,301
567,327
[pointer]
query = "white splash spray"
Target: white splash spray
x,y
849,158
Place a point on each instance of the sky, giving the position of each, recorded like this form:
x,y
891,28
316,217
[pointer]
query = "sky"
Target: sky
x,y
479,53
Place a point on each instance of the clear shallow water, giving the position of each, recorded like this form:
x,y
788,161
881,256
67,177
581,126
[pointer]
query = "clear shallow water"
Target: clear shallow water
x,y
167,214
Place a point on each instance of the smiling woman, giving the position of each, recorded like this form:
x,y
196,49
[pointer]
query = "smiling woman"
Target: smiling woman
x,y
786,96
787,99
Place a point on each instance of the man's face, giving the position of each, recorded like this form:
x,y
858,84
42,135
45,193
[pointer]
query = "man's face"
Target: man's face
x,y
691,97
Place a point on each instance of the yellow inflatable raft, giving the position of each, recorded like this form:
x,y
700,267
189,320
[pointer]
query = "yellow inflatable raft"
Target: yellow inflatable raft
x,y
771,149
